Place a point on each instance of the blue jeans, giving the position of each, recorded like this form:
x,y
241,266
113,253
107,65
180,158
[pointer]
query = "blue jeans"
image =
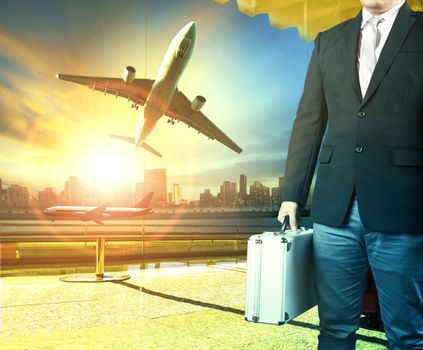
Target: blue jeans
x,y
341,260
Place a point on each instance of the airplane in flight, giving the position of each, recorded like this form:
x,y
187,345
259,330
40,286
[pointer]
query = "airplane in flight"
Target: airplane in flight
x,y
97,214
160,96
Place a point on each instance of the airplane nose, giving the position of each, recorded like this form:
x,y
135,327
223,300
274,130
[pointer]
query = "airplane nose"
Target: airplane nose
x,y
191,30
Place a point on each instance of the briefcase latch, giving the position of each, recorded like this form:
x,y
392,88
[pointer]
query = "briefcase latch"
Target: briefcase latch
x,y
288,244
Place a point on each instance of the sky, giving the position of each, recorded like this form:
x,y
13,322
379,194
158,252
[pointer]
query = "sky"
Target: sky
x,y
251,74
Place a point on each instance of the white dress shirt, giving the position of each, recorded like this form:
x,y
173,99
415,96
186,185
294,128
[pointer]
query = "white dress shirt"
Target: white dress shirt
x,y
384,28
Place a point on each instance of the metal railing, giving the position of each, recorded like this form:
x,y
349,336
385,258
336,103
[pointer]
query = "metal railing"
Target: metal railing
x,y
64,233
149,232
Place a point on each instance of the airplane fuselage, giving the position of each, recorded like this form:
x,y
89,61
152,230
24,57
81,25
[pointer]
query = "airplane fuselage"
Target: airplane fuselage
x,y
79,212
173,65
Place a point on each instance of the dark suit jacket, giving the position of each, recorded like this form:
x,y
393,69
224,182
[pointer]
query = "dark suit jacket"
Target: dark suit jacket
x,y
372,145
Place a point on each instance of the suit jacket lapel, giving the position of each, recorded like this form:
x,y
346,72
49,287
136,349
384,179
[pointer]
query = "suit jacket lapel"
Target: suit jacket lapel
x,y
396,38
352,35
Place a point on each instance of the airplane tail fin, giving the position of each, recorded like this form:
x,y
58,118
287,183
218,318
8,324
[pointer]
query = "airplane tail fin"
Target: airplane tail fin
x,y
132,141
151,149
145,202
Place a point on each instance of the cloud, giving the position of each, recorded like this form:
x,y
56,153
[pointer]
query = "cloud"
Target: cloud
x,y
308,16
28,101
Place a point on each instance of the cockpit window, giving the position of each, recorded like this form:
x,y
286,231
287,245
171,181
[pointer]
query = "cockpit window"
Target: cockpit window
x,y
183,47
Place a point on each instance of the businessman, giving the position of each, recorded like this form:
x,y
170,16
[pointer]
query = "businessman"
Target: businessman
x,y
361,119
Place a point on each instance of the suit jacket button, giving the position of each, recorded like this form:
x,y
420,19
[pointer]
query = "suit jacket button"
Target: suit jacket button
x,y
361,114
358,149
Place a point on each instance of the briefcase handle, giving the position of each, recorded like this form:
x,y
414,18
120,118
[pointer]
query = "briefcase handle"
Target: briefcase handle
x,y
285,224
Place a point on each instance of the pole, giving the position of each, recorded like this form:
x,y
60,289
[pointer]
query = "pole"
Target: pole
x,y
99,262
142,242
99,268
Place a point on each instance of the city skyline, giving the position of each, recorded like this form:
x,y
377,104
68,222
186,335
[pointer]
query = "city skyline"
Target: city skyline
x,y
188,194
77,191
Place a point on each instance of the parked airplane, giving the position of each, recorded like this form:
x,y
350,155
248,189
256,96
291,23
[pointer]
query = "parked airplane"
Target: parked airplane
x,y
161,96
97,214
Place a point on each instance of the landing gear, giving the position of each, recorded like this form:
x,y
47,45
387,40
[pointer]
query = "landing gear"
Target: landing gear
x,y
135,105
171,121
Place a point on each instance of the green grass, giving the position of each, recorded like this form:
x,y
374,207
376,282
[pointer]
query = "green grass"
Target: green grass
x,y
207,329
165,308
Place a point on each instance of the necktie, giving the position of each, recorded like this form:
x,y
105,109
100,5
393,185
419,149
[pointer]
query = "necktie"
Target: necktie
x,y
370,39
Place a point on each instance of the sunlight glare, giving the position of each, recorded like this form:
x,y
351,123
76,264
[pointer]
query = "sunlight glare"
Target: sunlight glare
x,y
109,165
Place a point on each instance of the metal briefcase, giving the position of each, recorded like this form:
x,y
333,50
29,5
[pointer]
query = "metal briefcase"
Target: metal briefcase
x,y
280,283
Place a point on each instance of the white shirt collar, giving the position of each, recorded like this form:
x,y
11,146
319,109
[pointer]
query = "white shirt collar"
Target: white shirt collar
x,y
388,16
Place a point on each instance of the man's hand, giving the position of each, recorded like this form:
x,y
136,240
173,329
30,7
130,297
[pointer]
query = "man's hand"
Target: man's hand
x,y
289,208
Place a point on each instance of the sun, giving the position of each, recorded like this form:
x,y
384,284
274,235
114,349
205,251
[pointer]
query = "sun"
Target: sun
x,y
109,168
109,165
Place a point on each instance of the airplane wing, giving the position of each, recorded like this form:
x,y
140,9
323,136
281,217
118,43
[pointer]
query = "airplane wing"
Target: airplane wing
x,y
180,109
137,91
95,213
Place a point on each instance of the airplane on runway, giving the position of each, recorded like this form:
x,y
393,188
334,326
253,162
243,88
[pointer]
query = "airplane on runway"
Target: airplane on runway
x,y
161,96
97,214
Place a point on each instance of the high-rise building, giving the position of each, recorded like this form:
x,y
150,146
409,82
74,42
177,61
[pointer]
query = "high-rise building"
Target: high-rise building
x,y
155,181
228,194
276,196
72,191
225,192
281,181
176,194
47,198
242,189
233,193
18,196
259,194
3,195
207,199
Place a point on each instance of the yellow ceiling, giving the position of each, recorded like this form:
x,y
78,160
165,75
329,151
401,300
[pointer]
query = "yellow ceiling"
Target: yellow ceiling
x,y
308,16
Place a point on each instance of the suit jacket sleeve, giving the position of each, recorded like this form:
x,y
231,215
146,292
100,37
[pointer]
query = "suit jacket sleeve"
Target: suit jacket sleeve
x,y
309,127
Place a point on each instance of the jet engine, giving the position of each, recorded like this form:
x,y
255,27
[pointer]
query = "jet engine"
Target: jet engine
x,y
129,74
198,103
